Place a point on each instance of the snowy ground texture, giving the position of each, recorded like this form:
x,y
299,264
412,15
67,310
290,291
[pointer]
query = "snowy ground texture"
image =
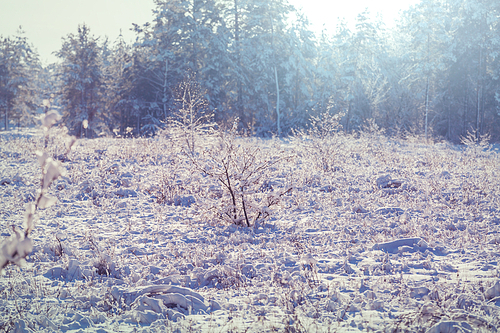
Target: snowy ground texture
x,y
363,234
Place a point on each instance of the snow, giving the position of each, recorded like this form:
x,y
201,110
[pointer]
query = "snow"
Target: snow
x,y
400,237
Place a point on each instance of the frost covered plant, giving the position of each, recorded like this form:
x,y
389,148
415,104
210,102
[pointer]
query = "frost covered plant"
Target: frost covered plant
x,y
168,188
322,139
476,145
373,134
192,118
477,155
15,249
241,171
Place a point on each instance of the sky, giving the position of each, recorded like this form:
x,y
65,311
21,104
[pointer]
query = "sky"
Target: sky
x,y
45,22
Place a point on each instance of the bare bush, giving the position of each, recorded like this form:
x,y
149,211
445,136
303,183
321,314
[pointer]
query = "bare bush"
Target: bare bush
x,y
243,173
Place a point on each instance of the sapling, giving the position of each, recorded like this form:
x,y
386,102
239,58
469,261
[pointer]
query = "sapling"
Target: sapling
x,y
192,118
15,249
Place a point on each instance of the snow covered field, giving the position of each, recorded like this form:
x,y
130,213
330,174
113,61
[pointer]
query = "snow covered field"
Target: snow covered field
x,y
361,234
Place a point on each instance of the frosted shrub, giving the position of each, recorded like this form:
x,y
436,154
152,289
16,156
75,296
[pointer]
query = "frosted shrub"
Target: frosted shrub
x,y
373,137
243,172
475,146
321,140
168,188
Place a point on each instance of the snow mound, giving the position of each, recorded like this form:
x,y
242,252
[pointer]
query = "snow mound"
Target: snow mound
x,y
389,211
493,291
397,245
155,298
451,327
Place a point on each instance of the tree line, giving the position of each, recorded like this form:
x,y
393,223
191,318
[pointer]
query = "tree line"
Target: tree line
x,y
435,73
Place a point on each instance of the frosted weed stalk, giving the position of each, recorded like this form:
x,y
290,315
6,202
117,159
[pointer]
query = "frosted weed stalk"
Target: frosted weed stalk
x,y
15,249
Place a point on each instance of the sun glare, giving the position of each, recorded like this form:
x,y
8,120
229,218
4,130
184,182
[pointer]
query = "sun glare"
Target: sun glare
x,y
327,14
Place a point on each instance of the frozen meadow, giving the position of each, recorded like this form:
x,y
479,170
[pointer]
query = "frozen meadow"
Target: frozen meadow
x,y
347,233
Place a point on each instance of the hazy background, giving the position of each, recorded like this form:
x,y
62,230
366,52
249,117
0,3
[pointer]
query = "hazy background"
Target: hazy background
x,y
46,21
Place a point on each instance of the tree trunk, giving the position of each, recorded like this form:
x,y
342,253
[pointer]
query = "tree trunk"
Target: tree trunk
x,y
479,88
449,124
481,129
164,99
278,115
296,101
348,117
478,95
239,101
138,133
466,107
426,106
427,88
195,46
122,121
6,117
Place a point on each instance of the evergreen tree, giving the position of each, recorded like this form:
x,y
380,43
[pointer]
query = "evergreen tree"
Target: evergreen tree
x,y
430,30
117,66
186,36
263,54
475,74
19,66
360,77
82,80
298,83
325,76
